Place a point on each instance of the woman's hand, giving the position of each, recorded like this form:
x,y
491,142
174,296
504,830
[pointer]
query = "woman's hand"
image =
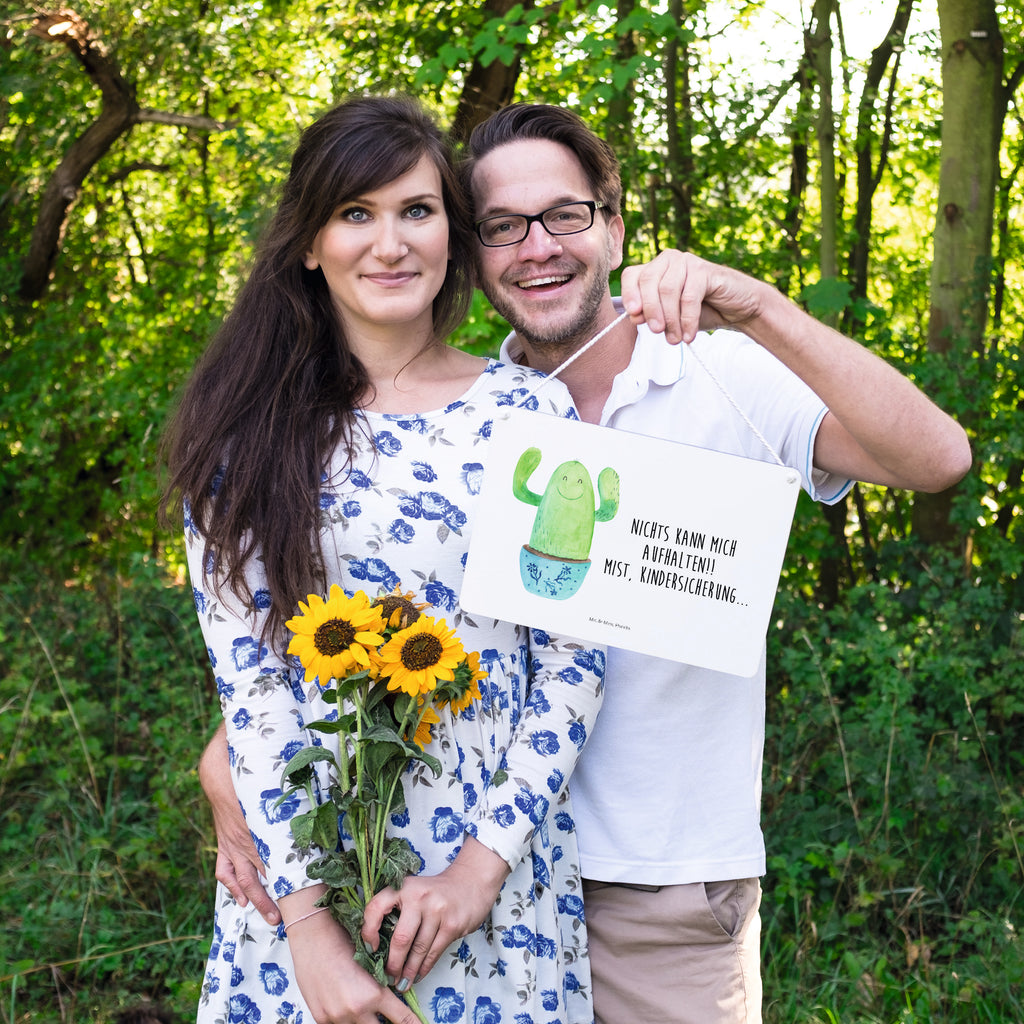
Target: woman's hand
x,y
336,989
238,864
435,910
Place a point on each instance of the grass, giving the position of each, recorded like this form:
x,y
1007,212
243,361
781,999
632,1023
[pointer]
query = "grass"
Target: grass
x,y
107,881
893,810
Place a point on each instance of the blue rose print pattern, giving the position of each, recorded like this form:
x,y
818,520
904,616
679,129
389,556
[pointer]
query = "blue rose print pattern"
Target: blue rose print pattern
x,y
403,514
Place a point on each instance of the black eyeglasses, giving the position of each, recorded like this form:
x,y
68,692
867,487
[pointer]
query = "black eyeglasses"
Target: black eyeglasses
x,y
564,219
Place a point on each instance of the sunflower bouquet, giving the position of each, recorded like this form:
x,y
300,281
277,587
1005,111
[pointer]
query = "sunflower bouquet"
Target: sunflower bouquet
x,y
390,669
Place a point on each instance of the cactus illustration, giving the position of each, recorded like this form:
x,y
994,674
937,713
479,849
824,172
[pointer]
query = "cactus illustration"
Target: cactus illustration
x,y
564,525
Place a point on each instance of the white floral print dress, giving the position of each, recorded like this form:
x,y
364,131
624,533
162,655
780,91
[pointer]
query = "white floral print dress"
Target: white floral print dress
x,y
403,515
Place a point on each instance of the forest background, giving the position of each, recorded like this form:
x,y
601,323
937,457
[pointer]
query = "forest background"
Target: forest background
x,y
866,158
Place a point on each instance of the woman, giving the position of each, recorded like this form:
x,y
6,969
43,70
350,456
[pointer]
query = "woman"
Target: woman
x,y
329,435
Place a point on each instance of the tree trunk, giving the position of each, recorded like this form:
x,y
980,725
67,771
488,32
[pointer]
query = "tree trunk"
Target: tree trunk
x,y
797,195
972,116
973,104
487,89
619,130
117,115
1004,203
819,55
679,132
818,46
869,170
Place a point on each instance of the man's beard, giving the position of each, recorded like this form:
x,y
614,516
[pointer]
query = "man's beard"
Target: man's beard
x,y
569,335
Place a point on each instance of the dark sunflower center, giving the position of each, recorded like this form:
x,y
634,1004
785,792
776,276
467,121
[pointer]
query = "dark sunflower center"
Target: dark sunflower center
x,y
334,636
421,651
391,603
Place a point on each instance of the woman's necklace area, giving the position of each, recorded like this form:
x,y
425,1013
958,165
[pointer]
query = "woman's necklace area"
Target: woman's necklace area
x,y
424,388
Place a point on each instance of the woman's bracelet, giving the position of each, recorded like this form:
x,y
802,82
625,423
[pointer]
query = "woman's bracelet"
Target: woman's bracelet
x,y
312,913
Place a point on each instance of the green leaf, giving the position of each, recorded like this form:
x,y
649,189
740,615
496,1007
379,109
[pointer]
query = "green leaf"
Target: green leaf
x,y
299,769
372,963
350,917
342,799
384,705
329,726
827,298
386,736
398,861
339,870
398,802
325,826
453,55
497,52
381,732
428,759
350,684
367,792
381,757
303,826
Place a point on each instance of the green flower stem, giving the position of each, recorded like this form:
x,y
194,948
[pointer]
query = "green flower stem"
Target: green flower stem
x,y
414,1004
310,794
360,834
343,762
380,832
408,725
380,827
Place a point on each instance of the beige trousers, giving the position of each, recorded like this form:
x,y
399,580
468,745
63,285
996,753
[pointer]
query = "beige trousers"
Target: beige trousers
x,y
675,954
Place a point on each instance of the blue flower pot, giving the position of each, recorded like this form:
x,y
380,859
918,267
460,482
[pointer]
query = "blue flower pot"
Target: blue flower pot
x,y
550,577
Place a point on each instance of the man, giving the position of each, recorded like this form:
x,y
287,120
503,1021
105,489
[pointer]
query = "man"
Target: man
x,y
667,792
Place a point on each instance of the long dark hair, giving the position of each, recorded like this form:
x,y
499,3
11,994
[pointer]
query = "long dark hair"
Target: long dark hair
x,y
274,394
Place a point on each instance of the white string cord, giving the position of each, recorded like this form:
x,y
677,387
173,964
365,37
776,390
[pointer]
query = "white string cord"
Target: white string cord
x,y
692,351
555,372
732,401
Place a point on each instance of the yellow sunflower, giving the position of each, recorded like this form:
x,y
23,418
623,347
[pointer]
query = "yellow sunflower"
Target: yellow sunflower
x,y
423,734
417,657
472,690
400,609
332,636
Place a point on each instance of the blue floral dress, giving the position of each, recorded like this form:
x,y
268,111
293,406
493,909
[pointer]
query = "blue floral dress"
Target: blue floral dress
x,y
402,515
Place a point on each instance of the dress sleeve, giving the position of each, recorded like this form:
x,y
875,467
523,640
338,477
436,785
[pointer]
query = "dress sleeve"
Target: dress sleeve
x,y
564,696
263,705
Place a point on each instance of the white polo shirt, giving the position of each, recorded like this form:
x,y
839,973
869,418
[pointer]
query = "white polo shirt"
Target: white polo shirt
x,y
668,789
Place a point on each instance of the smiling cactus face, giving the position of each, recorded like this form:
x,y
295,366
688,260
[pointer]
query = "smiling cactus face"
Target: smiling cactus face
x,y
564,525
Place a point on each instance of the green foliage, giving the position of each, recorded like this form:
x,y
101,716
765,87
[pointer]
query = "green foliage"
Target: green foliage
x,y
107,867
893,802
893,781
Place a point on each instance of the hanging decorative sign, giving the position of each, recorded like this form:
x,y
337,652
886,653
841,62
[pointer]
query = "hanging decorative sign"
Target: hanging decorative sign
x,y
630,541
